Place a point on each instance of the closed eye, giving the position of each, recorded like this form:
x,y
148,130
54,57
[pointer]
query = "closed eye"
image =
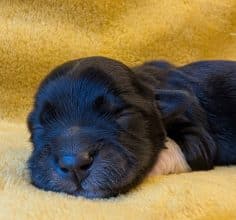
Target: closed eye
x,y
118,110
127,119
125,113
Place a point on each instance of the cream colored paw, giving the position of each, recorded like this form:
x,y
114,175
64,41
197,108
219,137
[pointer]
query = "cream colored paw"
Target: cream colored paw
x,y
170,160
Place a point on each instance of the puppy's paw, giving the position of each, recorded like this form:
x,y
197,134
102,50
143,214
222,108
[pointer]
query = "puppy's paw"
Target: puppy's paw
x,y
170,160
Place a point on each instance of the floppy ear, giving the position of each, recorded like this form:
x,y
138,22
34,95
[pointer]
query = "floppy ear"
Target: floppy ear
x,y
173,102
47,113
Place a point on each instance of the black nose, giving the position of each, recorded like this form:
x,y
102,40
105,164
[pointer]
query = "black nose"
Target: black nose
x,y
75,162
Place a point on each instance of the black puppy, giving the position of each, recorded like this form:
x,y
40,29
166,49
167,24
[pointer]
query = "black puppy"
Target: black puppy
x,y
98,127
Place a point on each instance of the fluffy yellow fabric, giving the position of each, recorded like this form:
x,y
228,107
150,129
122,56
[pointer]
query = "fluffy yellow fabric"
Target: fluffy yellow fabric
x,y
198,195
36,35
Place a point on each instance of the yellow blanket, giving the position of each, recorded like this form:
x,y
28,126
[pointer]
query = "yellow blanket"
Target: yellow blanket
x,y
36,35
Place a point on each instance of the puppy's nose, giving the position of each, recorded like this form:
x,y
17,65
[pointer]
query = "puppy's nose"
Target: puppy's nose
x,y
75,162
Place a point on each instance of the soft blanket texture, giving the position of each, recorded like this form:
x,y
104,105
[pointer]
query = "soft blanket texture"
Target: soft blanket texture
x,y
36,35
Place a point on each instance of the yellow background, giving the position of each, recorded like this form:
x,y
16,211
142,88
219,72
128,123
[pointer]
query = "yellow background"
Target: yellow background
x,y
37,35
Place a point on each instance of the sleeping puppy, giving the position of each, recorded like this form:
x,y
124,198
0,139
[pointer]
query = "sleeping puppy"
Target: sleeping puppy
x,y
99,127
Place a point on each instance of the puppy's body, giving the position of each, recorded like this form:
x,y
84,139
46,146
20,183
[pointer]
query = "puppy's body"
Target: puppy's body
x,y
206,129
98,127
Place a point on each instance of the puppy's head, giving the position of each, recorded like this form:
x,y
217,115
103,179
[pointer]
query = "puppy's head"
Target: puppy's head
x,y
95,129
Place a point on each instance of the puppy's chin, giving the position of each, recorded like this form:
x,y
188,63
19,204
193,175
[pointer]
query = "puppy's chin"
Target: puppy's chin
x,y
170,160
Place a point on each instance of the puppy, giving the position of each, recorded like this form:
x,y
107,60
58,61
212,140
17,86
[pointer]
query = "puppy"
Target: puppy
x,y
99,127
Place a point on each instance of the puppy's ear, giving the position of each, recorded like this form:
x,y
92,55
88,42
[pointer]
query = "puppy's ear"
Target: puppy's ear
x,y
38,117
172,102
48,113
34,127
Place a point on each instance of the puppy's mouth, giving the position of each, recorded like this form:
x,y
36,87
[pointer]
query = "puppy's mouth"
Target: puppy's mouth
x,y
87,190
80,177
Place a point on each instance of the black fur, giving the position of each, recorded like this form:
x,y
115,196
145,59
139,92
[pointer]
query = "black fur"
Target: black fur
x,y
206,130
119,117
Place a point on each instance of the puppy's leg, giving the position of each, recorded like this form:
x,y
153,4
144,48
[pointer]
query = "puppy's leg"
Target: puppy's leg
x,y
170,160
197,145
195,151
